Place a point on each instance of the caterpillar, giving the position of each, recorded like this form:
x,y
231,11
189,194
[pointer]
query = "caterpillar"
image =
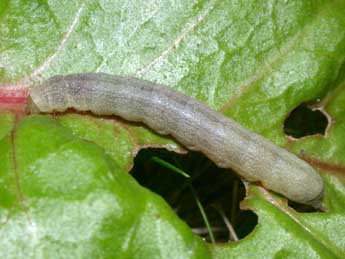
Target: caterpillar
x,y
190,122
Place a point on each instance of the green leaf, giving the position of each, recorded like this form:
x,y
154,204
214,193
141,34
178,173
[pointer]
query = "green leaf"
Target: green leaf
x,y
63,197
63,187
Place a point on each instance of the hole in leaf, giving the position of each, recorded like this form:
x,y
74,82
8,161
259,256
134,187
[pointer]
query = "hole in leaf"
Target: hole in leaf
x,y
304,208
212,191
304,121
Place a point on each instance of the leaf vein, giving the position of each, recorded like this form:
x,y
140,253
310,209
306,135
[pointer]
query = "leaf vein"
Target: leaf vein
x,y
184,33
35,75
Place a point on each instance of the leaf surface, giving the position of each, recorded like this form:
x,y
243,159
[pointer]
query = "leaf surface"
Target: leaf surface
x,y
63,187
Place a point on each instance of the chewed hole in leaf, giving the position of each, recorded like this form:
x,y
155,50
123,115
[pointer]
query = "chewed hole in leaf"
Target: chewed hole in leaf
x,y
217,191
305,121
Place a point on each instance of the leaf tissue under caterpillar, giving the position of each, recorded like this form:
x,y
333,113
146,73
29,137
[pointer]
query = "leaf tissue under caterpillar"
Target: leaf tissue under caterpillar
x,y
192,123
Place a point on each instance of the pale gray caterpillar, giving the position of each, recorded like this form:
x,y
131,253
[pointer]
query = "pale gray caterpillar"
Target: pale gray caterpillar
x,y
192,123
